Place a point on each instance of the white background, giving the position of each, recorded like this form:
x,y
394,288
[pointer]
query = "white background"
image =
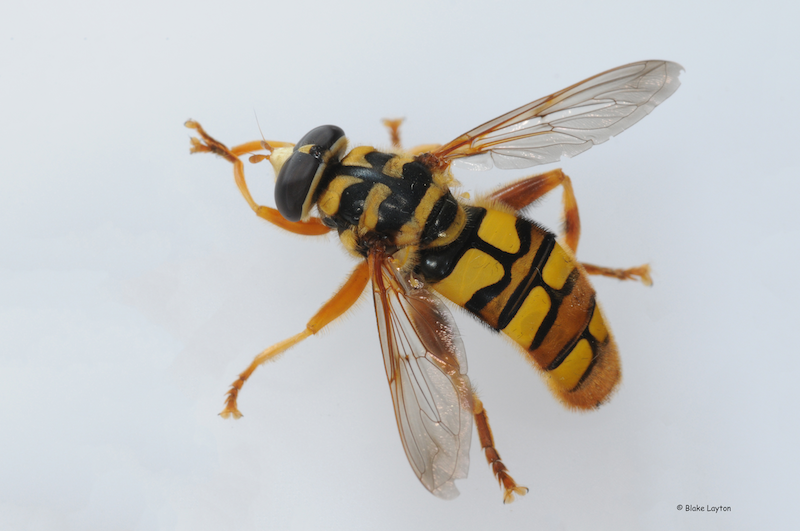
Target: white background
x,y
135,283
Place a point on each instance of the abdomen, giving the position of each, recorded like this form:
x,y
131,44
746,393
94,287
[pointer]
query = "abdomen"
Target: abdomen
x,y
514,276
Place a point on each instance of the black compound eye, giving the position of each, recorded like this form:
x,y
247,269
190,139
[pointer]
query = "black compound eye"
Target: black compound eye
x,y
321,138
300,174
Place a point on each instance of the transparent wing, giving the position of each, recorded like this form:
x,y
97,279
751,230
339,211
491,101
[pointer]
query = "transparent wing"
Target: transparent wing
x,y
427,371
568,122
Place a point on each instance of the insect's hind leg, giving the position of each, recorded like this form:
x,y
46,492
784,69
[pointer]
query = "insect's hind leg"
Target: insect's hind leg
x,y
347,295
521,194
207,144
641,273
499,469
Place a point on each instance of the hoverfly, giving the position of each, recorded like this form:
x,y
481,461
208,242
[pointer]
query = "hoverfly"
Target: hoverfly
x,y
395,212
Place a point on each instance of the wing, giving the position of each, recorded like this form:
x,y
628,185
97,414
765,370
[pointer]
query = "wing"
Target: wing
x,y
427,371
568,122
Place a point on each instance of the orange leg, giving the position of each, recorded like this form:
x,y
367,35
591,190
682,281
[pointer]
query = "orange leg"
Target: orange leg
x,y
347,295
487,444
207,144
394,130
522,193
641,273
394,133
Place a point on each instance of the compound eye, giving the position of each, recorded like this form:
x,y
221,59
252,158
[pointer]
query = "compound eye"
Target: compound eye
x,y
300,174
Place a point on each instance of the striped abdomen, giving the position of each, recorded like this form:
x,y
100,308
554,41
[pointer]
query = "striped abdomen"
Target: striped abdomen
x,y
515,276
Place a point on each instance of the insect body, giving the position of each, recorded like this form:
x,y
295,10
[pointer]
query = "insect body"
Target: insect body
x,y
395,212
507,270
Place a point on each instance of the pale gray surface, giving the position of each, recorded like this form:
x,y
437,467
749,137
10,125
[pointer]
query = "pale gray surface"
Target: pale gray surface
x,y
135,283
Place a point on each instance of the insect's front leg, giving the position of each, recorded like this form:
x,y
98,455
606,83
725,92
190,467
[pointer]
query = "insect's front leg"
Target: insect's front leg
x,y
207,144
522,193
342,301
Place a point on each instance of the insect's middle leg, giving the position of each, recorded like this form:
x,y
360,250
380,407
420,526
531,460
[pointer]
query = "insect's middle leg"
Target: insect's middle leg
x,y
207,144
394,133
347,295
393,125
492,457
522,193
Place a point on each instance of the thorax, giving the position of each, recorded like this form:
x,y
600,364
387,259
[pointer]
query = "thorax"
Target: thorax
x,y
392,198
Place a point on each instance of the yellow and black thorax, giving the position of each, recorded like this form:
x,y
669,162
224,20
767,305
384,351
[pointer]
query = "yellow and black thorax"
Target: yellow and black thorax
x,y
367,196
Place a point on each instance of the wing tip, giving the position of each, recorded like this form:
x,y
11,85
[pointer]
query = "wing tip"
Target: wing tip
x,y
448,491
